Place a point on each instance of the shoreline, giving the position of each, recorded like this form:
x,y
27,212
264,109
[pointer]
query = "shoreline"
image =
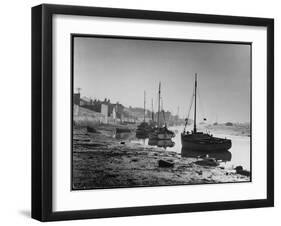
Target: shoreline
x,y
102,161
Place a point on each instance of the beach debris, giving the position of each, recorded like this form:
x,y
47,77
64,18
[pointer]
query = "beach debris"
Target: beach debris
x,y
241,171
81,139
90,145
165,163
238,168
199,172
91,129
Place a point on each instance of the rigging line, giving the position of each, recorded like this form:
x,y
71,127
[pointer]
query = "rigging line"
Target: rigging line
x,y
201,105
190,106
191,103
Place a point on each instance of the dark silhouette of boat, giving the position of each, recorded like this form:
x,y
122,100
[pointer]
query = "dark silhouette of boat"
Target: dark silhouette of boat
x,y
158,132
161,133
200,141
216,122
144,128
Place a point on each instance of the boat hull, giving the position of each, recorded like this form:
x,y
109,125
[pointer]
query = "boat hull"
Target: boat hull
x,y
142,134
161,136
205,143
143,130
224,155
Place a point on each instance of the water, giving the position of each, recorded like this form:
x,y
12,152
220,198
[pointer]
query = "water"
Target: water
x,y
238,154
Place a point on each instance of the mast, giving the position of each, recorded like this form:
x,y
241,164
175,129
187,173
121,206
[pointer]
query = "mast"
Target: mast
x,y
195,90
144,107
159,95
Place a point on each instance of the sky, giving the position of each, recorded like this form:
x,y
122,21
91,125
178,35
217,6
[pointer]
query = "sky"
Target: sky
x,y
122,69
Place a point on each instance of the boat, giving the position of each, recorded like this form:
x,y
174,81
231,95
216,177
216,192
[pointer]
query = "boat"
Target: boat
x,y
144,128
199,141
161,132
216,122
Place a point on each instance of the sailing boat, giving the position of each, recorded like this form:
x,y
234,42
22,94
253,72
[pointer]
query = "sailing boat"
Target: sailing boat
x,y
216,122
144,128
161,133
199,141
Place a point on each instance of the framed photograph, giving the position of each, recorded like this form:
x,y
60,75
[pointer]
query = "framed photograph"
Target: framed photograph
x,y
145,112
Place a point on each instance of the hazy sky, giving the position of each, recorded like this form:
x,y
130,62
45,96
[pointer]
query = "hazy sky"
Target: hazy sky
x,y
121,69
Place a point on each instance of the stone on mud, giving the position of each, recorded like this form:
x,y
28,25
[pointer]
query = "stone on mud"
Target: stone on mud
x,y
91,130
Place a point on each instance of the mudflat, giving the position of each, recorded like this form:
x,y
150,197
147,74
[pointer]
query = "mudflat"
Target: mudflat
x,y
100,160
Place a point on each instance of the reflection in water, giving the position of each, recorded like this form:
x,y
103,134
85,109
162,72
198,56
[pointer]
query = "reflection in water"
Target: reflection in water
x,y
161,143
142,137
224,156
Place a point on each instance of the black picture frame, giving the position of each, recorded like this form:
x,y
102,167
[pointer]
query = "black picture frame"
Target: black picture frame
x,y
42,111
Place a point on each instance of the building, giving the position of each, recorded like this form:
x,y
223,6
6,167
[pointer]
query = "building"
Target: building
x,y
104,111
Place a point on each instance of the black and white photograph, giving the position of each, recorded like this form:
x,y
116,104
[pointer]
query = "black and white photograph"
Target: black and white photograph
x,y
159,112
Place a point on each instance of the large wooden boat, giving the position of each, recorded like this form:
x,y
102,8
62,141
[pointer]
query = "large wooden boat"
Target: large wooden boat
x,y
199,141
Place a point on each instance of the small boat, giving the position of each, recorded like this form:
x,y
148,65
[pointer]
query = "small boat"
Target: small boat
x,y
199,141
161,133
144,128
